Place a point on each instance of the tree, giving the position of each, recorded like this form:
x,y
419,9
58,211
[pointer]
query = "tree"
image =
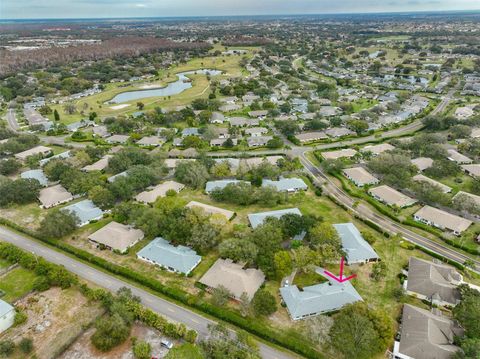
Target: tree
x,y
238,249
275,142
220,295
203,236
470,349
268,238
110,332
221,344
264,303
359,126
192,173
140,105
324,238
305,258
9,166
283,264
26,345
18,191
379,270
56,116
102,197
69,108
244,304
468,311
7,347
142,350
333,166
58,223
396,169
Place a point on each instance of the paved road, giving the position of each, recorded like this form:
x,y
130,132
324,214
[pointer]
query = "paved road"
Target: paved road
x,y
164,307
12,120
384,222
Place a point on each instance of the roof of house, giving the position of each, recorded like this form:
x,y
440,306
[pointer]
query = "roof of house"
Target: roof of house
x,y
211,209
433,280
422,163
113,178
333,155
85,210
472,196
180,258
100,165
258,140
338,132
422,178
5,308
149,141
286,184
255,130
360,175
456,156
117,139
426,335
62,155
54,195
221,184
391,196
159,191
37,150
318,298
233,277
255,161
117,236
257,219
443,219
311,136
473,169
356,248
36,175
377,149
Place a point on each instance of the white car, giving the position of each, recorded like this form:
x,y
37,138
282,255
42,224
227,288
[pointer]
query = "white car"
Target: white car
x,y
166,344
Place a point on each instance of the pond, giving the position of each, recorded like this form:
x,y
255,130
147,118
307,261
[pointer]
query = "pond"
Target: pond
x,y
173,88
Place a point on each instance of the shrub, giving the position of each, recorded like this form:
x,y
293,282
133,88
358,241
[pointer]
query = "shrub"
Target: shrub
x,y
142,350
7,347
20,318
26,345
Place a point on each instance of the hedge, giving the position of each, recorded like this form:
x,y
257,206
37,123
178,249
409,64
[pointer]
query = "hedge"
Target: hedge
x,y
249,325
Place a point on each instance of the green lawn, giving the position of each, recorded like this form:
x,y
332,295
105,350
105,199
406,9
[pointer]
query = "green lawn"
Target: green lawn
x,y
185,351
16,284
307,279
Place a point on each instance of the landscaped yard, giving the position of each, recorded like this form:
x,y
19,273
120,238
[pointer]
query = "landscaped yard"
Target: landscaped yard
x,y
16,283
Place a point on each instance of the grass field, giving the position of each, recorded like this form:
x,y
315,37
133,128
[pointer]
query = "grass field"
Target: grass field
x,y
16,284
185,351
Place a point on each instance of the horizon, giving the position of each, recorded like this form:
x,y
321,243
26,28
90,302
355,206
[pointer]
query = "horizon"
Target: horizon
x,y
144,9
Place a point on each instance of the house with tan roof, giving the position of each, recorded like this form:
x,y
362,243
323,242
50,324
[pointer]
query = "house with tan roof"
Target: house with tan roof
x,y
445,221
472,170
159,191
305,137
377,149
426,335
455,156
422,163
234,277
53,196
211,210
391,197
441,186
37,150
343,153
360,176
434,282
100,165
116,236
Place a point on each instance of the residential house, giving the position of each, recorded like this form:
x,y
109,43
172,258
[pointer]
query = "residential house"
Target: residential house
x,y
242,121
100,165
159,190
422,163
36,175
256,131
258,114
426,335
286,184
455,156
337,132
53,196
35,151
85,211
433,281
221,184
63,155
122,139
116,236
217,118
257,219
233,277
391,197
211,210
100,131
153,141
356,248
360,176
377,149
113,178
258,141
311,136
472,170
441,219
439,185
343,153
178,259
7,316
190,131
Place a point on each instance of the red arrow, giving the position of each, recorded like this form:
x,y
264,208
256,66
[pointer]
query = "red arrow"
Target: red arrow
x,y
340,278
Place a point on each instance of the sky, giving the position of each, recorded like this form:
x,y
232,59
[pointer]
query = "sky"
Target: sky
x,y
34,9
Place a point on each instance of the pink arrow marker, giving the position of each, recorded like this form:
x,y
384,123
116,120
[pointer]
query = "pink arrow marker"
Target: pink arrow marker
x,y
340,278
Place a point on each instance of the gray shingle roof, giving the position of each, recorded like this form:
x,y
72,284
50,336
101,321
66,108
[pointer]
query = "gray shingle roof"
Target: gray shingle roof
x,y
356,248
180,259
319,298
286,184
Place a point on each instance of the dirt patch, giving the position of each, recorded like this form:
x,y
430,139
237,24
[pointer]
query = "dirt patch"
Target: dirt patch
x,y
55,318
82,348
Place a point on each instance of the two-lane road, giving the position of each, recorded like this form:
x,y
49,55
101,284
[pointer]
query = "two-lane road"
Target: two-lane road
x,y
162,306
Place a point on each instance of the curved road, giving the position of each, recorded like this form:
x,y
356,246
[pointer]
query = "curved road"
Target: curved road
x,y
162,306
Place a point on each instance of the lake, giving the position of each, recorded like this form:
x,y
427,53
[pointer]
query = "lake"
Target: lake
x,y
173,88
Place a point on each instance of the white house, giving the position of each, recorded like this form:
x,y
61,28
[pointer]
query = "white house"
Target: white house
x,y
7,314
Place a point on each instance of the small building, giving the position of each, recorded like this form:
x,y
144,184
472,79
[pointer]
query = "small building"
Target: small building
x,y
190,131
422,163
256,131
38,175
306,137
258,141
467,196
153,141
100,165
100,131
53,196
257,219
343,153
391,197
426,334
472,170
7,316
122,139
243,121
435,282
337,132
360,176
85,210
258,114
221,184
178,259
211,210
286,184
233,277
455,156
319,298
116,236
113,178
60,156
443,220
441,186
217,117
377,149
37,150
159,191
355,246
